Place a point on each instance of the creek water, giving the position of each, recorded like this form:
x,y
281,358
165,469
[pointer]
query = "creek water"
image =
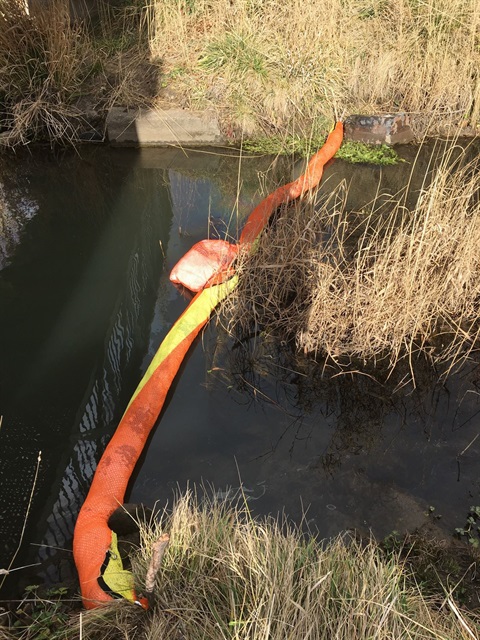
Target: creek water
x,y
87,243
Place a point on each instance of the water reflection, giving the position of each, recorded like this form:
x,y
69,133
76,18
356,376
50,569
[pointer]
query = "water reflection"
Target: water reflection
x,y
85,303
359,399
16,210
361,450
82,362
104,399
362,457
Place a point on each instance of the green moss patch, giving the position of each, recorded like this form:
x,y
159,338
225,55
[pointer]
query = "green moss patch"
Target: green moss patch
x,y
359,152
350,151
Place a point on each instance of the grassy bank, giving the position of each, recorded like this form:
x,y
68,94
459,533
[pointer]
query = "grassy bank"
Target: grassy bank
x,y
266,68
279,67
227,575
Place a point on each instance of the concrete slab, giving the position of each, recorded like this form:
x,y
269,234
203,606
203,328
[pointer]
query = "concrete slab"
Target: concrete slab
x,y
147,127
389,129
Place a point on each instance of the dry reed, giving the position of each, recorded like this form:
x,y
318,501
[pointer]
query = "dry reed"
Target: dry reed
x,y
265,67
384,283
282,67
227,575
48,62
43,60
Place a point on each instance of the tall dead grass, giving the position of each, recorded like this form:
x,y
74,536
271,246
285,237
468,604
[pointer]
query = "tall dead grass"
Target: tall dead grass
x,y
227,575
266,67
48,62
384,283
272,66
43,61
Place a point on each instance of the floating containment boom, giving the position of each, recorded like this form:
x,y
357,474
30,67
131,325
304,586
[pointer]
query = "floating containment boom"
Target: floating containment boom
x,y
205,269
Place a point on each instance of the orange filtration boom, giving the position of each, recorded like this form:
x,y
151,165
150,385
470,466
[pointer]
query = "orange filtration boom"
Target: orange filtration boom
x,y
99,566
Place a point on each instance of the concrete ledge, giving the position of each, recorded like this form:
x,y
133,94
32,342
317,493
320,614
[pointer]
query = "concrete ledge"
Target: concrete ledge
x,y
144,127
386,129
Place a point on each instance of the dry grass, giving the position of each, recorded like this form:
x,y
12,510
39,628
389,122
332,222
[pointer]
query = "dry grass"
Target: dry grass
x,y
266,67
380,284
226,575
43,61
278,67
47,63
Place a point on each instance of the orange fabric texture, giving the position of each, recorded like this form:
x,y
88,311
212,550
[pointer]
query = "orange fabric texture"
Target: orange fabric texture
x,y
202,262
92,536
284,194
208,261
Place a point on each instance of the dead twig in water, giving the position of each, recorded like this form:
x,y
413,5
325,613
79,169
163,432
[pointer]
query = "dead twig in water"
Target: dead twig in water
x,y
468,446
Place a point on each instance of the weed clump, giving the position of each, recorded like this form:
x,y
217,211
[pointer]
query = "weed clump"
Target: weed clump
x,y
49,62
350,151
228,575
382,284
43,63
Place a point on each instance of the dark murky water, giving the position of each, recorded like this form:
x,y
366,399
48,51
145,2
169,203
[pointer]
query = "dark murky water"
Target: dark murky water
x,y
86,245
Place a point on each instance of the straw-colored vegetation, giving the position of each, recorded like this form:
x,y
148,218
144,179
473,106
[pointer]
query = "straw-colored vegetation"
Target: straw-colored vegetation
x,y
379,284
50,62
226,575
266,67
280,67
40,69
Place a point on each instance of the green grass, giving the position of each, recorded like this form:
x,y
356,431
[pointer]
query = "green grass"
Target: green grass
x,y
350,151
236,51
39,616
359,152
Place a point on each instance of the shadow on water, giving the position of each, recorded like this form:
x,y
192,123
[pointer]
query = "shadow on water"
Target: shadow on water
x,y
86,301
77,299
